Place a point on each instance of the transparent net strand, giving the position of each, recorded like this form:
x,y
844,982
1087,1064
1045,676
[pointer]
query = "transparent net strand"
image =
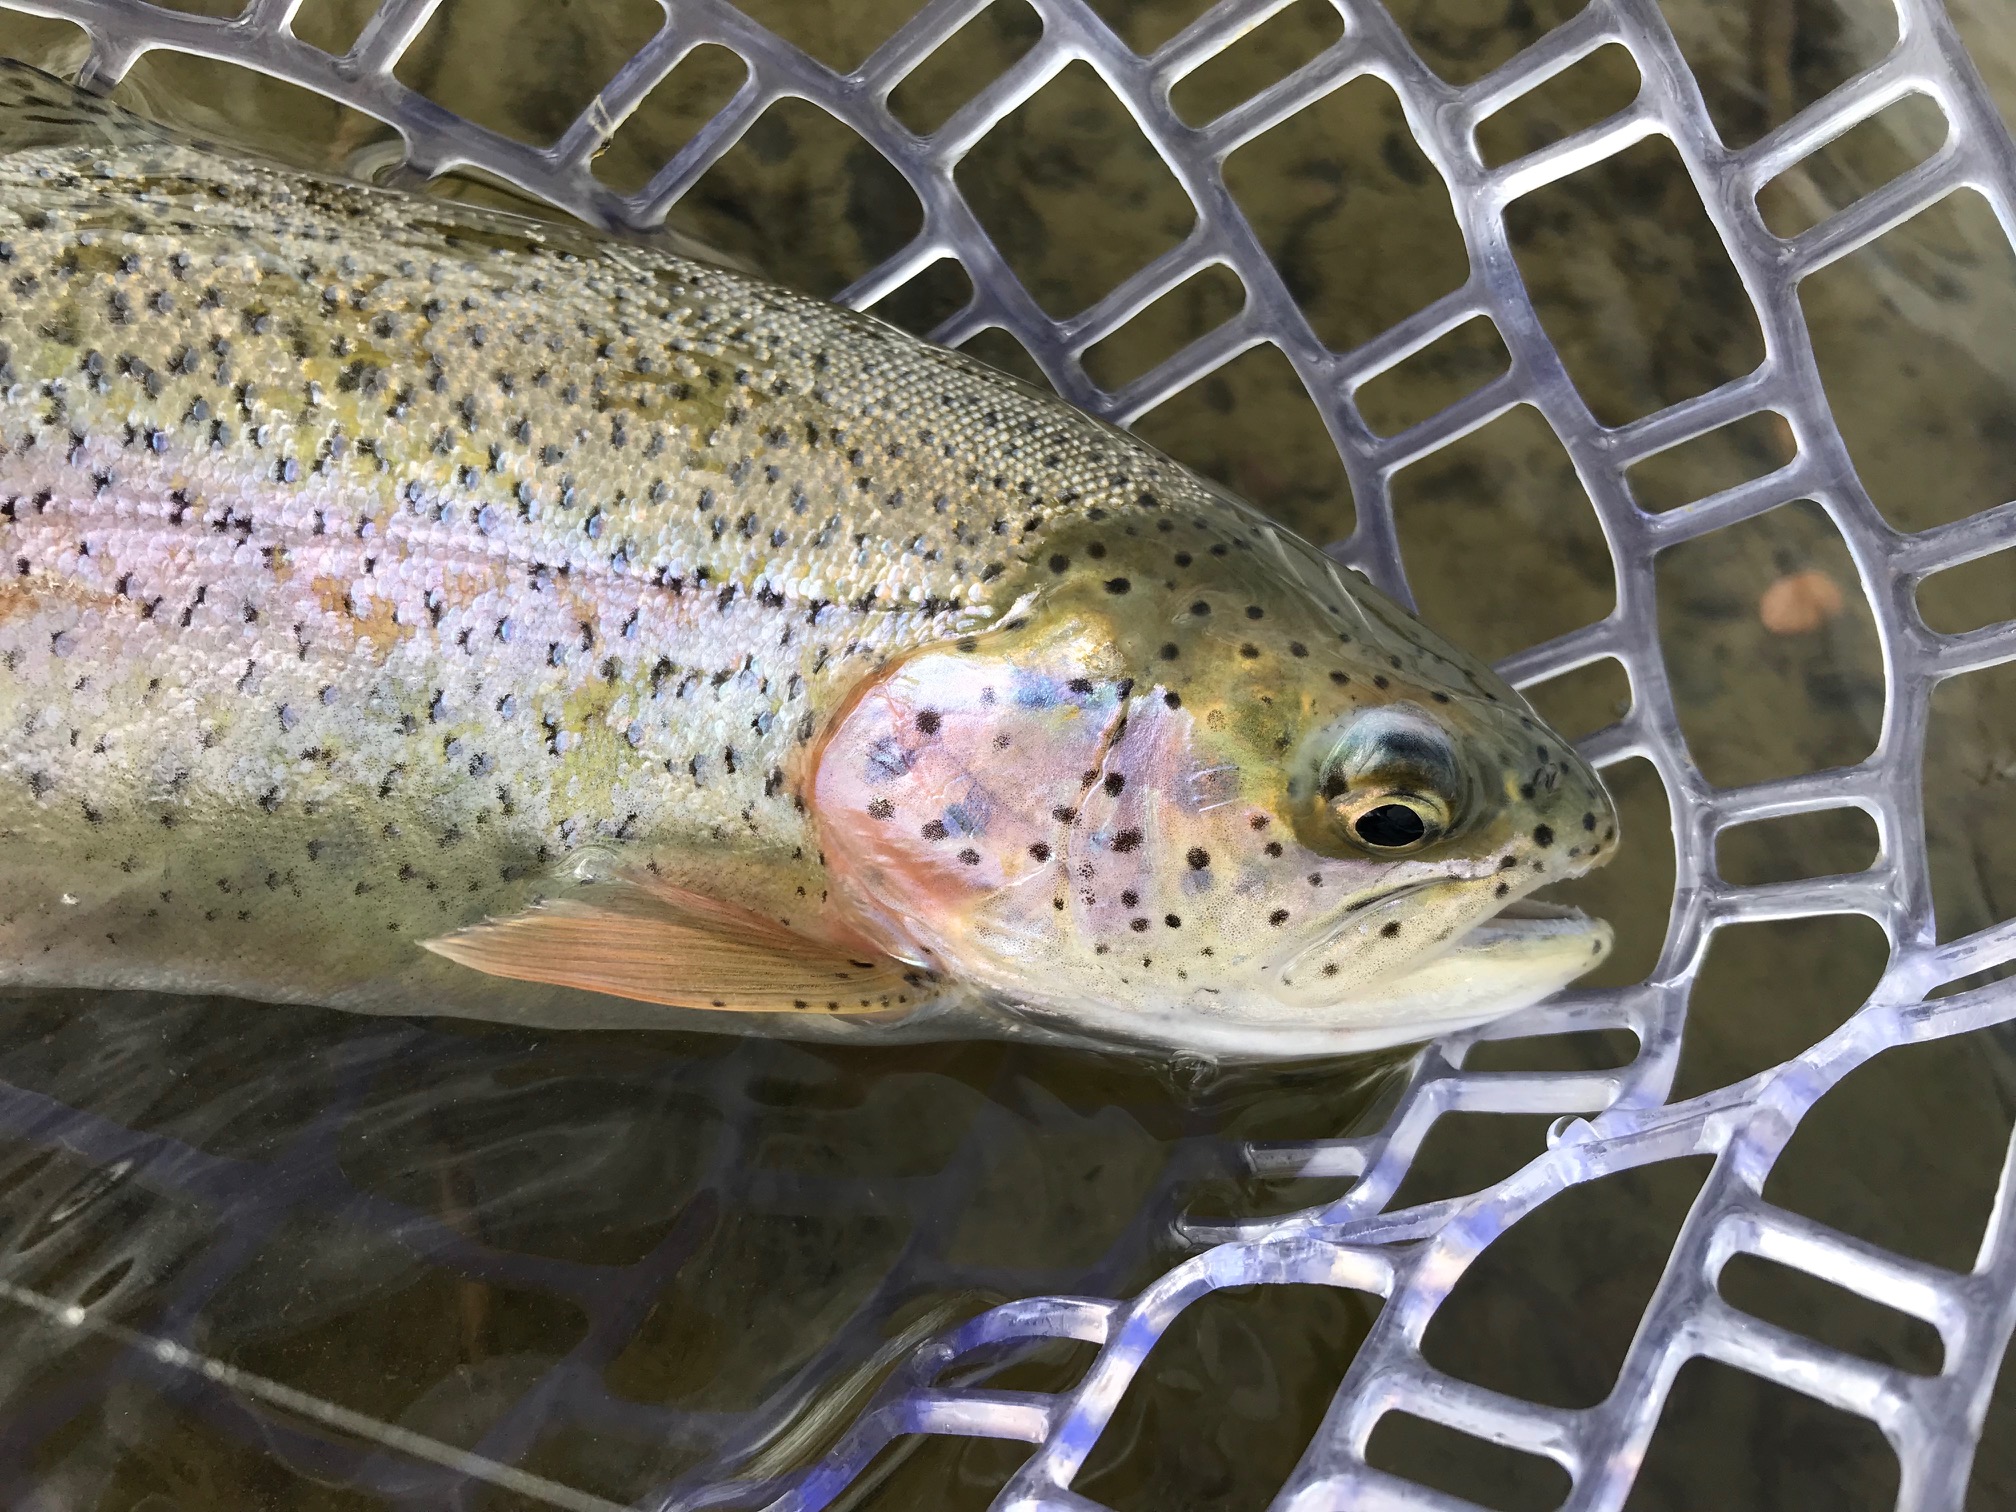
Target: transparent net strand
x,y
1608,1121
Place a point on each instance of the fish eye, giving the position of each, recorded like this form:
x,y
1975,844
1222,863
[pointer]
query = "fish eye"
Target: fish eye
x,y
1386,782
1391,820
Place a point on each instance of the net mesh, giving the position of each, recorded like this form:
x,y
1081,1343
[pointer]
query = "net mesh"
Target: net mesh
x,y
1606,1121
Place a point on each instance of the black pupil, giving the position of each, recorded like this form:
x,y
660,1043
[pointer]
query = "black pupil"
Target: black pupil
x,y
1390,825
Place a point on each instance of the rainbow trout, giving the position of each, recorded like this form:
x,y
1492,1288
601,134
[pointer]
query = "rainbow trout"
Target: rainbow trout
x,y
416,609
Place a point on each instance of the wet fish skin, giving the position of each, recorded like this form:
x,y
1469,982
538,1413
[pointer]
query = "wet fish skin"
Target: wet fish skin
x,y
382,567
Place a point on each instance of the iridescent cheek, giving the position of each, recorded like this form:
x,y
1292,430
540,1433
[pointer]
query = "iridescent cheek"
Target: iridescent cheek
x,y
938,787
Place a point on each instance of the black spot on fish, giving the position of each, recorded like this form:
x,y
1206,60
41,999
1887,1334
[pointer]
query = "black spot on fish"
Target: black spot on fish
x,y
927,723
1115,781
1390,929
881,808
1278,917
934,829
1542,835
1127,840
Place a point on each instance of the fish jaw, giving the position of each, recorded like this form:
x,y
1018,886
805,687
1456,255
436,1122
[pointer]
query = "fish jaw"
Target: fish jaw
x,y
1500,965
1506,961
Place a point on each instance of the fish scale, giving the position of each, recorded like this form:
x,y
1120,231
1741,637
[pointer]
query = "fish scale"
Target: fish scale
x,y
384,567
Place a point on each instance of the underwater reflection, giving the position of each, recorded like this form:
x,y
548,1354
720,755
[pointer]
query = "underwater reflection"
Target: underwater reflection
x,y
254,1256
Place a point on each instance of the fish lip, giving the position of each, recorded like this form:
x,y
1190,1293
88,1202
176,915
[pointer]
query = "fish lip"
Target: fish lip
x,y
1516,913
1530,917
1535,910
1525,916
1405,889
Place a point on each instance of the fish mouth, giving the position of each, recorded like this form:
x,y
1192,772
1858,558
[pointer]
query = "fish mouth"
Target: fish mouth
x,y
1521,952
1525,918
1537,926
1535,915
1525,951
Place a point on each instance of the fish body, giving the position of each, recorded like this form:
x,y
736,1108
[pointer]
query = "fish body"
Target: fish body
x,y
417,609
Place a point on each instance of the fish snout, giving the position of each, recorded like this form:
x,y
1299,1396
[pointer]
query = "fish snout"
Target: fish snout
x,y
1574,820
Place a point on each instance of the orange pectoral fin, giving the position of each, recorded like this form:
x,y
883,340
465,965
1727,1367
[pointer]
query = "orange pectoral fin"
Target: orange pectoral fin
x,y
657,944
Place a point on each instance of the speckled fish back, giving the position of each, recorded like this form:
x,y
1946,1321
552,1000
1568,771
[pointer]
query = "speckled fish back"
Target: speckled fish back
x,y
371,556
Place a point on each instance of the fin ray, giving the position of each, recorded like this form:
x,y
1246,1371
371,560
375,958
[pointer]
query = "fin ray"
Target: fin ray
x,y
651,942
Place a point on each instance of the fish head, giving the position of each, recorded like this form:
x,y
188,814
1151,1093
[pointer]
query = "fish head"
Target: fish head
x,y
1254,811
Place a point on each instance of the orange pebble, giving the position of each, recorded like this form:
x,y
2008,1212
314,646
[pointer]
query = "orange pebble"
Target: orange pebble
x,y
1800,602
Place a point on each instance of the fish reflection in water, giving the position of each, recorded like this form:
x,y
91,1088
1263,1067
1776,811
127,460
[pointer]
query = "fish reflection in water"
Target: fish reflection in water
x,y
618,1261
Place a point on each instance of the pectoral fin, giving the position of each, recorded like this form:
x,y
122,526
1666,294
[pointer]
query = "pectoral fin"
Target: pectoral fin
x,y
658,944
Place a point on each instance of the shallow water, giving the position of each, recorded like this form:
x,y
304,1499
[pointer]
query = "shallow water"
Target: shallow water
x,y
627,1263
675,1248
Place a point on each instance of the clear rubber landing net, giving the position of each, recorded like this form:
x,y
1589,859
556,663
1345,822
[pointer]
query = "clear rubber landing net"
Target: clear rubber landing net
x,y
1606,1121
